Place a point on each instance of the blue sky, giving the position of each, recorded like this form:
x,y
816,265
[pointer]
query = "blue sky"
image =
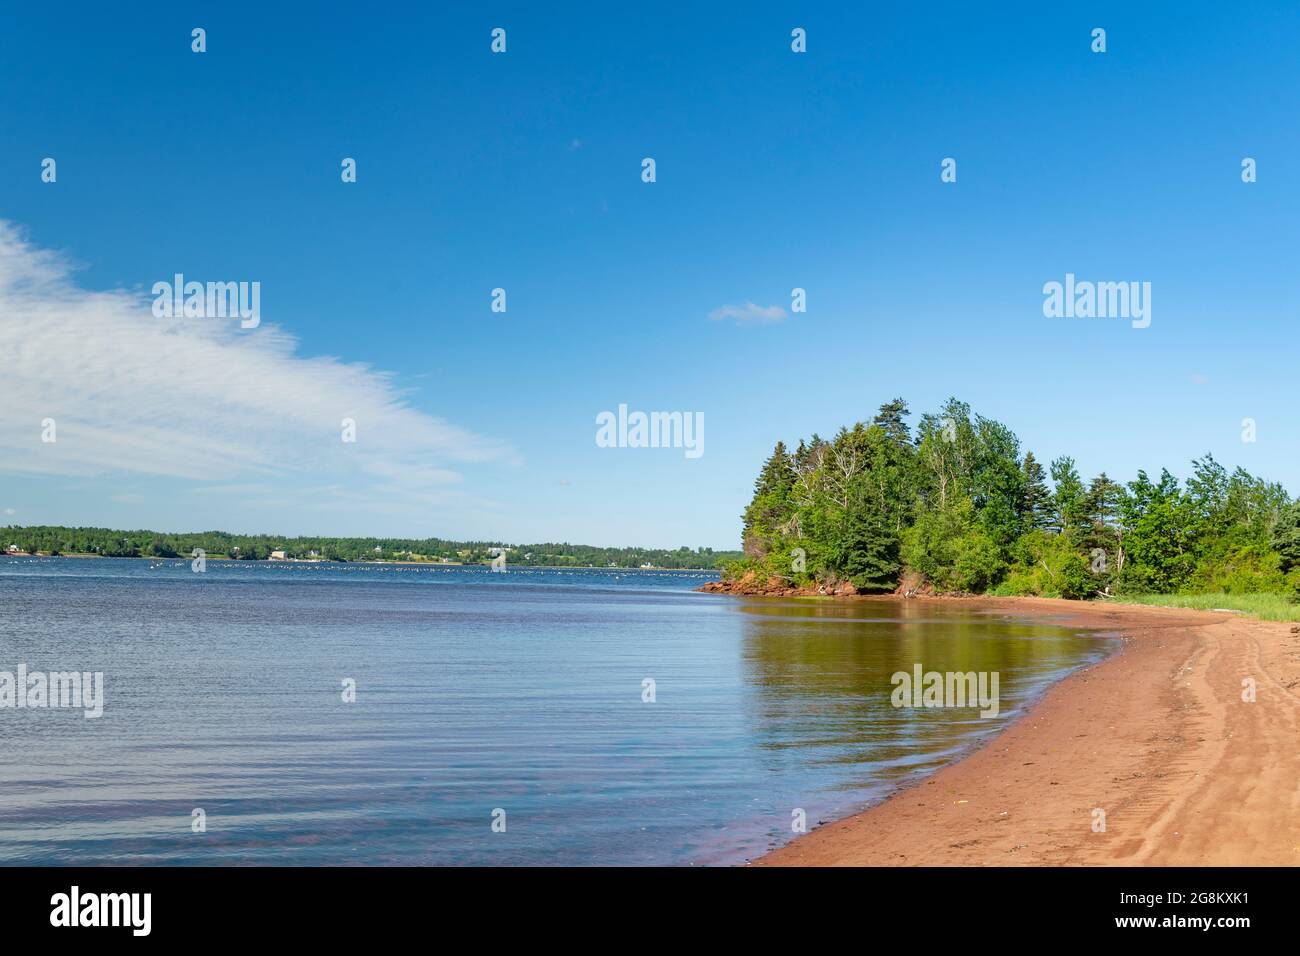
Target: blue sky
x,y
775,170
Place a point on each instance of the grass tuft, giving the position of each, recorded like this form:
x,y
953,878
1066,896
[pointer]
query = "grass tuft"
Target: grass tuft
x,y
1266,607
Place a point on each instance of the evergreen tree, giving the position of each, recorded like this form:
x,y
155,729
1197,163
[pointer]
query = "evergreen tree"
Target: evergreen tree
x,y
1102,539
1036,507
770,507
892,419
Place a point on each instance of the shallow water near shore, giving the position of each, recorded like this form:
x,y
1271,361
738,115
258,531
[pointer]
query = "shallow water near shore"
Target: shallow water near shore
x,y
475,692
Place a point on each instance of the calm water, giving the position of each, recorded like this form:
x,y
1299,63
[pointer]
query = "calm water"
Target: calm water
x,y
475,691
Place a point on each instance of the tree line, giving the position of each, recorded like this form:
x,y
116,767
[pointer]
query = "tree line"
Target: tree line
x,y
957,507
107,542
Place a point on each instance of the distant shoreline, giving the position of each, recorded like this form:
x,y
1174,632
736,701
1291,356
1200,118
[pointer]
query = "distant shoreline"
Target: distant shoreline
x,y
413,564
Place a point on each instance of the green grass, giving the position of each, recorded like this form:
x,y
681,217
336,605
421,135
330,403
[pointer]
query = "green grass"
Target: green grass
x,y
1267,607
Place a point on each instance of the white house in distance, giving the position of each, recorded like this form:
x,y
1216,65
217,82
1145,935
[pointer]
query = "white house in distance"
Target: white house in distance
x,y
278,556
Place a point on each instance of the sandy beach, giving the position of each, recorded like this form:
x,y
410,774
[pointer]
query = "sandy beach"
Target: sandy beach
x,y
1157,735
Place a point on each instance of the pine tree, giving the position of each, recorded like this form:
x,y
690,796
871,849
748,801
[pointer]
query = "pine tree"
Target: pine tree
x,y
777,474
1104,532
770,507
891,418
1036,501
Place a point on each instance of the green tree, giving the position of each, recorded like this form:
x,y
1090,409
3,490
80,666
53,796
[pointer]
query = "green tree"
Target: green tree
x,y
771,507
1069,501
1036,505
1285,537
1161,531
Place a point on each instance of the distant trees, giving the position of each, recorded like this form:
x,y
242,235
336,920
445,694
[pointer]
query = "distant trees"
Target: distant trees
x,y
957,503
152,544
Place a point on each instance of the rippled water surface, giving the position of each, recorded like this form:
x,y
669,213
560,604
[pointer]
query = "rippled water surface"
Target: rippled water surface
x,y
475,691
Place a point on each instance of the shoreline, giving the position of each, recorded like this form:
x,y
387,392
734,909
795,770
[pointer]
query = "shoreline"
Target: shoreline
x,y
417,564
1156,735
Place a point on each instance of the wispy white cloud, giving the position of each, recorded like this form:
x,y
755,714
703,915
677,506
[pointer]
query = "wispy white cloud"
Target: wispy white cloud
x,y
749,314
200,400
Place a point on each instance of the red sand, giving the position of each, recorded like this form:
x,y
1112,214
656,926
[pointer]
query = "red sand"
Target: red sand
x,y
1157,736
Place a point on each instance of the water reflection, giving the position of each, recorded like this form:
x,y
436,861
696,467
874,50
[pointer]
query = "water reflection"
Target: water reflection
x,y
820,679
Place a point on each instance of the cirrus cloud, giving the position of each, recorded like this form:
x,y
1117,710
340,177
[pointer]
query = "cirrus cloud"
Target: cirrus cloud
x,y
199,400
